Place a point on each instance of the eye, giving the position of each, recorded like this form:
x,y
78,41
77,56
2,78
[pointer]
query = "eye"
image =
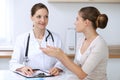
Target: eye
x,y
46,16
38,16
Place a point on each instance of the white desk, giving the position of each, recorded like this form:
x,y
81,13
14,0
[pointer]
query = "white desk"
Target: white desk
x,y
9,75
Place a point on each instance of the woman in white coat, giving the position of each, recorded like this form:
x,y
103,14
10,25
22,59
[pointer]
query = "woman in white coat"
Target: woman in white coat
x,y
38,37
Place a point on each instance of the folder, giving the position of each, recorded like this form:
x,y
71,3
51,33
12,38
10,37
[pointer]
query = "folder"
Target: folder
x,y
37,74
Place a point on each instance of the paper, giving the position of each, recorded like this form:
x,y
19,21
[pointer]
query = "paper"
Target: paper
x,y
37,73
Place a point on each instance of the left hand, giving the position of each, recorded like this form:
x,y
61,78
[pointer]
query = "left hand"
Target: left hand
x,y
55,71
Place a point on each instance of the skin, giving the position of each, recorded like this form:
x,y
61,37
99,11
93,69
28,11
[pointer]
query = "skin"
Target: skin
x,y
40,21
84,26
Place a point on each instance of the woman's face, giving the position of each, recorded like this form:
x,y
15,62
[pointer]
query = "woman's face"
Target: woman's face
x,y
40,18
79,23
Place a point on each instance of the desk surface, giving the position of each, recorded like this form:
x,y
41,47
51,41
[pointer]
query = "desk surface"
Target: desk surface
x,y
9,75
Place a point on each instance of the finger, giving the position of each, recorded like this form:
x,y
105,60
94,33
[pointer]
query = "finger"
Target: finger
x,y
30,69
51,47
29,73
51,70
24,71
43,49
54,71
27,70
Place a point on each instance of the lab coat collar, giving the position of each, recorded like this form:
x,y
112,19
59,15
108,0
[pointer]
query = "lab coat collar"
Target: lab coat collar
x,y
32,36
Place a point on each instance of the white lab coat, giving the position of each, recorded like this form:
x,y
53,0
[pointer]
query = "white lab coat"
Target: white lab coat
x,y
37,59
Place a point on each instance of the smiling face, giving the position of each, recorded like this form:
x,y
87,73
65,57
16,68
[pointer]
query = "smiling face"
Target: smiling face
x,y
40,18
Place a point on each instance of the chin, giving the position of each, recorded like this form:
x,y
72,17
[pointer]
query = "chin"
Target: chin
x,y
42,27
76,30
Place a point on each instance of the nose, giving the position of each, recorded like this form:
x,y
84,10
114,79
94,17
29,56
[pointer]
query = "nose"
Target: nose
x,y
43,19
75,23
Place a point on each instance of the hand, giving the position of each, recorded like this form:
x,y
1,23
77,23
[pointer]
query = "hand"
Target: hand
x,y
26,70
55,71
52,51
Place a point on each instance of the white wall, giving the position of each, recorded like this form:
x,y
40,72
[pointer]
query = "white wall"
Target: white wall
x,y
63,15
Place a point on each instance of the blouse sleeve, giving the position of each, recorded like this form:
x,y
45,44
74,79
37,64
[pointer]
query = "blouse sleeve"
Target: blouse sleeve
x,y
98,53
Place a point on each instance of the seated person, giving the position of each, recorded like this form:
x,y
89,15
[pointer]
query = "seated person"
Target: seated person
x,y
28,46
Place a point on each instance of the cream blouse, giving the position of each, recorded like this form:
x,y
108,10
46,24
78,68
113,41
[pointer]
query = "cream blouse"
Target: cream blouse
x,y
94,60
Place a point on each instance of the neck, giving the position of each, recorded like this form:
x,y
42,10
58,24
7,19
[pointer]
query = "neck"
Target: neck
x,y
39,33
89,36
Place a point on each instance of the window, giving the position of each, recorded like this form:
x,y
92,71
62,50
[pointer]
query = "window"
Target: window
x,y
6,10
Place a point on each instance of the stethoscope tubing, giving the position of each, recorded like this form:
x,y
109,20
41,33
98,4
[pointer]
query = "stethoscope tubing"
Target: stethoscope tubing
x,y
27,45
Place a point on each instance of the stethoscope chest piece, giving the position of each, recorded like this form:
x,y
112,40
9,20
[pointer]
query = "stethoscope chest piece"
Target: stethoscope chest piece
x,y
26,60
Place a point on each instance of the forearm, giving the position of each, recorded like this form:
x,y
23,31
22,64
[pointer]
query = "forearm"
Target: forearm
x,y
71,66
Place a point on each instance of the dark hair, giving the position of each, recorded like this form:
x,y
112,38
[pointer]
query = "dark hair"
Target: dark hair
x,y
92,14
38,6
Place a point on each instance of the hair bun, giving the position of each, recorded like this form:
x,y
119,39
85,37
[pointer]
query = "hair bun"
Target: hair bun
x,y
102,20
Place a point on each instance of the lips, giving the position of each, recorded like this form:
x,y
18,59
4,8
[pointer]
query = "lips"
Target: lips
x,y
43,24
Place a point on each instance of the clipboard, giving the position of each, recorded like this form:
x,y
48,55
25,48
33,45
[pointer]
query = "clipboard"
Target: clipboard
x,y
37,74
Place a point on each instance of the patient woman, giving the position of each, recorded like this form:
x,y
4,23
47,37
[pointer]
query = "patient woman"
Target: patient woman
x,y
91,57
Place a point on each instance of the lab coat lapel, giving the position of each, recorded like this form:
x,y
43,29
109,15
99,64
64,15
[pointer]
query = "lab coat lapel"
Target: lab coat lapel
x,y
33,39
43,44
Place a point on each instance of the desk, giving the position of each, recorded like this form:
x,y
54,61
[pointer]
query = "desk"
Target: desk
x,y
9,75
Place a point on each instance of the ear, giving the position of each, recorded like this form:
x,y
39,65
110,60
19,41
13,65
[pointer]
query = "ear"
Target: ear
x,y
87,22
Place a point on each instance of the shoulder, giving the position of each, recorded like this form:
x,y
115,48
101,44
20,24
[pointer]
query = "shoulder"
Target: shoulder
x,y
23,36
100,45
101,41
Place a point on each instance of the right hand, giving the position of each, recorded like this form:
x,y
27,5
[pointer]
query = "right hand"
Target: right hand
x,y
26,70
52,51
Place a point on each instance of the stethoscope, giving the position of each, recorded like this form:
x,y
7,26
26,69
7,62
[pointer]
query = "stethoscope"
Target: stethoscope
x,y
26,59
